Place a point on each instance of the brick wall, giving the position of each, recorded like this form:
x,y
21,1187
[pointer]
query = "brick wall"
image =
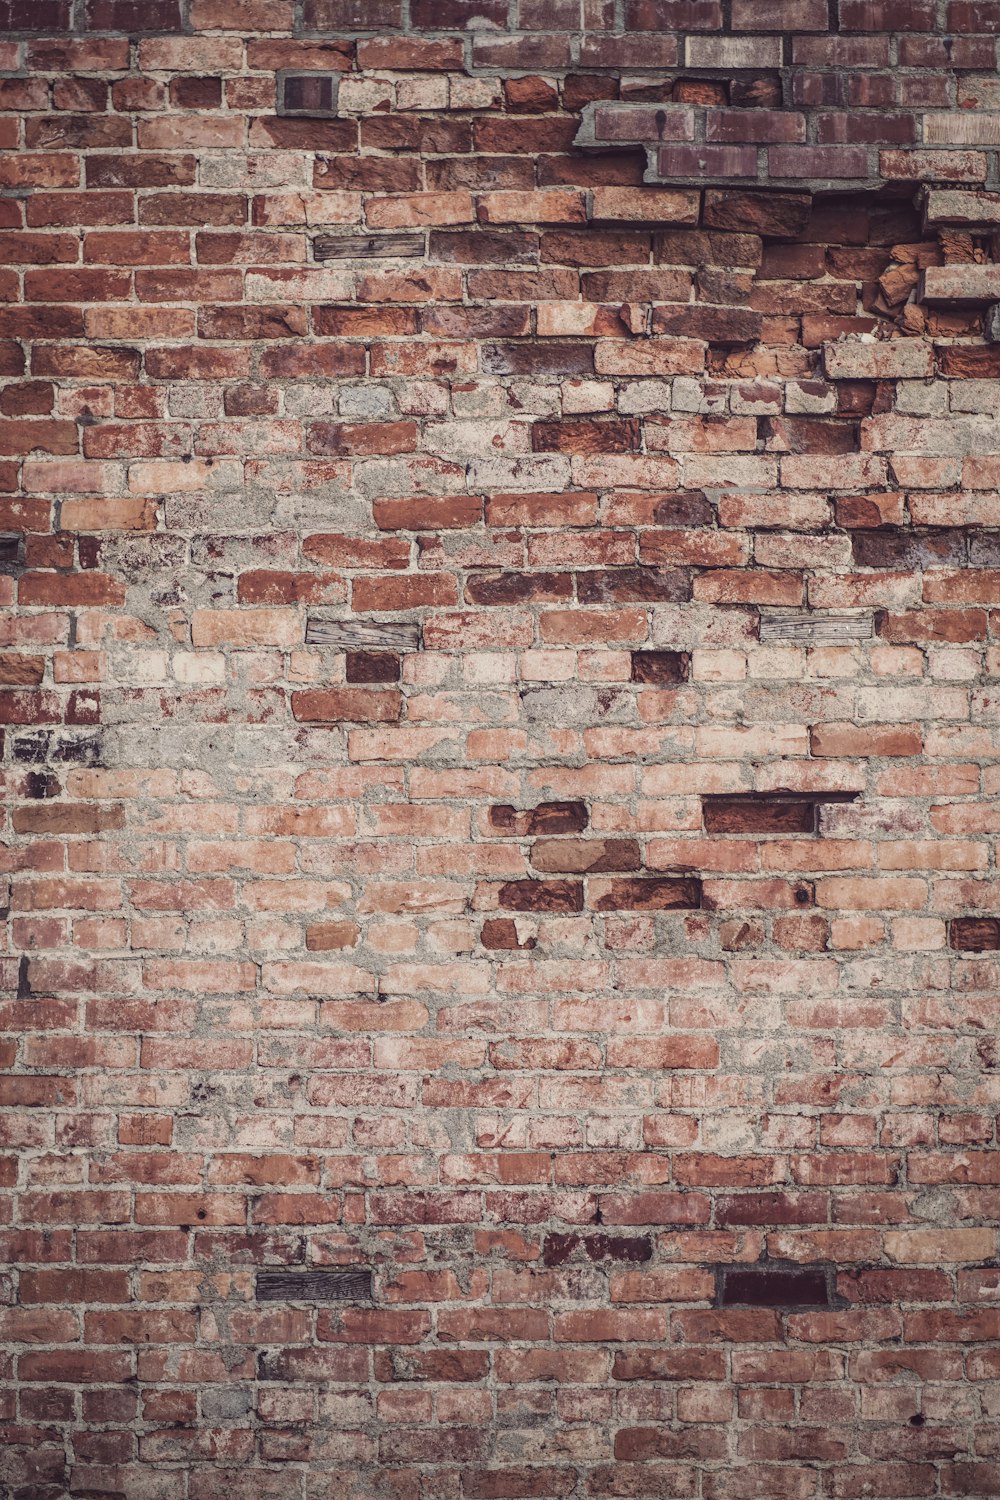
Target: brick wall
x,y
501,749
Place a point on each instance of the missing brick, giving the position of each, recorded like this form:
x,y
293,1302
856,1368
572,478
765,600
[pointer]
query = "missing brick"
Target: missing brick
x,y
763,812
308,94
11,553
775,1284
660,666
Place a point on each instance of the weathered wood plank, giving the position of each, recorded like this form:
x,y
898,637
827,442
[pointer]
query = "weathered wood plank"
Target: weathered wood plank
x,y
367,246
388,635
351,1284
823,629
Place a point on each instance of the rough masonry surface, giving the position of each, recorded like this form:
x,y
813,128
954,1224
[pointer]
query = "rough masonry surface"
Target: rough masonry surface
x,y
500,698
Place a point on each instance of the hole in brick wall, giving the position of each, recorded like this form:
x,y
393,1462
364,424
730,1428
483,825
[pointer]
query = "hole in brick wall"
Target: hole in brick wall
x,y
757,91
307,94
700,91
11,553
775,1286
761,812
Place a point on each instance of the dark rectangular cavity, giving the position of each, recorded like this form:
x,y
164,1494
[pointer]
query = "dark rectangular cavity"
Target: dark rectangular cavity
x,y
351,1284
309,94
761,812
771,1286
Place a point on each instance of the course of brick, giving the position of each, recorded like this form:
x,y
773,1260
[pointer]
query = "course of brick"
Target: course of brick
x,y
499,687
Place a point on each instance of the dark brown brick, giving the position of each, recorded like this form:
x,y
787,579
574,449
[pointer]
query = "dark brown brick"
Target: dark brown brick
x,y
372,666
623,585
782,214
974,934
660,666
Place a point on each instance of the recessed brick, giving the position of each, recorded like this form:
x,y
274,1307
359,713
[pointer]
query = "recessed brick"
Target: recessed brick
x,y
740,815
307,94
774,1286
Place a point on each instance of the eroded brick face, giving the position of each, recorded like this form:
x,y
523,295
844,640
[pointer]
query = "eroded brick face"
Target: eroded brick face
x,y
499,711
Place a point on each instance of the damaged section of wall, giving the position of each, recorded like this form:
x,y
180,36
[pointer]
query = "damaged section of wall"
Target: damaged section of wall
x,y
499,697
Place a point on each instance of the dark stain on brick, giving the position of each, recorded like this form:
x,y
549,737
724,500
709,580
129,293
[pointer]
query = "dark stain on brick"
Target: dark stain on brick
x,y
648,893
518,588
682,508
547,817
501,933
39,784
634,585
900,548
